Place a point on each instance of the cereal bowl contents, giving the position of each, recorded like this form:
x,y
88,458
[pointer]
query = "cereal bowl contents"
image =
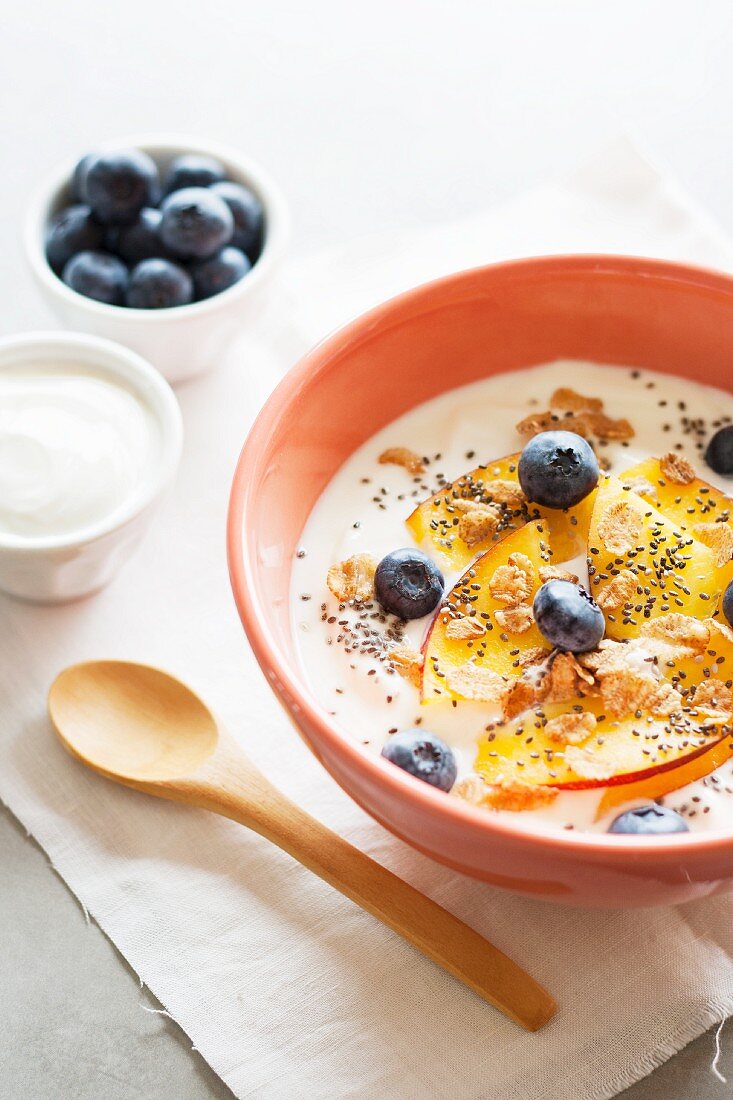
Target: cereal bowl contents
x,y
563,641
520,671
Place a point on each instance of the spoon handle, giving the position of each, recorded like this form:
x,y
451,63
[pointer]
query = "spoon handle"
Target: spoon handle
x,y
441,936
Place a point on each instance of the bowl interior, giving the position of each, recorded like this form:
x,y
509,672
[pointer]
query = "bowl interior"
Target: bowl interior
x,y
612,310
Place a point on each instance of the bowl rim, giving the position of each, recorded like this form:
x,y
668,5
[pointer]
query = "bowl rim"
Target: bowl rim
x,y
248,171
277,668
133,371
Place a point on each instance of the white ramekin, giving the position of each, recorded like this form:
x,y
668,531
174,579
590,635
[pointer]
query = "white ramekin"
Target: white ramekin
x,y
184,340
54,569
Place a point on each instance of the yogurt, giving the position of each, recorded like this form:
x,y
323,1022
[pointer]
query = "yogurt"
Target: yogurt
x,y
74,448
364,508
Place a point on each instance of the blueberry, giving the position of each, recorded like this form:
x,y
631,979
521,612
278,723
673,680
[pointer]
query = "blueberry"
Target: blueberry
x,y
728,603
567,616
79,178
652,820
408,584
140,239
423,755
557,469
158,284
223,270
719,451
111,239
72,230
97,275
196,223
193,170
248,216
119,185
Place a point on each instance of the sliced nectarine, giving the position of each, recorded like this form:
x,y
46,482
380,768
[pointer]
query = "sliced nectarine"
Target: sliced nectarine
x,y
691,503
687,502
486,623
482,506
600,752
651,716
643,565
661,783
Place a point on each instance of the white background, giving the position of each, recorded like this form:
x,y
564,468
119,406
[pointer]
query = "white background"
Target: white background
x,y
374,117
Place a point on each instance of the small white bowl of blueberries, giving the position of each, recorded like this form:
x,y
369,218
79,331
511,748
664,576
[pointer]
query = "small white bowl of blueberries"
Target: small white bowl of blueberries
x,y
161,244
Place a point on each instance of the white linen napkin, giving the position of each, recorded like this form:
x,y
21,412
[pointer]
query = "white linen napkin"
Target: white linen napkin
x,y
286,988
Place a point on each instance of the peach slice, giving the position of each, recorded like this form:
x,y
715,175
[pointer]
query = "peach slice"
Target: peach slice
x,y
654,786
694,505
632,541
439,523
615,752
483,628
686,503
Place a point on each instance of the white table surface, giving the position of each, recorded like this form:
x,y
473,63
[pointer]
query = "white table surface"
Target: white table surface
x,y
374,117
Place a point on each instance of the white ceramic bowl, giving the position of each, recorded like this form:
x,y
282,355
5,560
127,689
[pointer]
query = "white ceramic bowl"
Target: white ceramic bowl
x,y
54,569
184,340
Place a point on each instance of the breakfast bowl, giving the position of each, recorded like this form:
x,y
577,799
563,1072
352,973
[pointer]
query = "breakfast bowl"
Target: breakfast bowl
x,y
180,341
90,440
637,314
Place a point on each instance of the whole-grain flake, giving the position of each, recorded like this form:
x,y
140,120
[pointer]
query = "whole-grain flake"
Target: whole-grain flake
x,y
625,691
464,628
587,765
680,631
602,427
403,456
520,696
408,662
512,583
353,579
675,467
535,423
571,729
557,573
535,655
502,491
504,794
517,620
588,423
619,591
565,680
620,526
479,523
572,401
713,697
478,684
719,537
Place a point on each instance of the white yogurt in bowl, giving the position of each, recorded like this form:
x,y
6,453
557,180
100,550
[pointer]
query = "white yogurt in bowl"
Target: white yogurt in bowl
x,y
90,436
363,511
73,450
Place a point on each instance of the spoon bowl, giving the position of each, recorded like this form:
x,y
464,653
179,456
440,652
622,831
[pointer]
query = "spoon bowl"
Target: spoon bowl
x,y
145,729
132,722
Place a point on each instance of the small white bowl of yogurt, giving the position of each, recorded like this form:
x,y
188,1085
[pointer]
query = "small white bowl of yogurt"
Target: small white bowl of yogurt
x,y
90,438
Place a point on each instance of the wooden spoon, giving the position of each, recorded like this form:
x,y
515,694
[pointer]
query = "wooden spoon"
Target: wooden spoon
x,y
143,728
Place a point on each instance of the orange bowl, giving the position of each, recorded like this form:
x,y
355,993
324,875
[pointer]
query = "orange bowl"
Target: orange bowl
x,y
612,309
